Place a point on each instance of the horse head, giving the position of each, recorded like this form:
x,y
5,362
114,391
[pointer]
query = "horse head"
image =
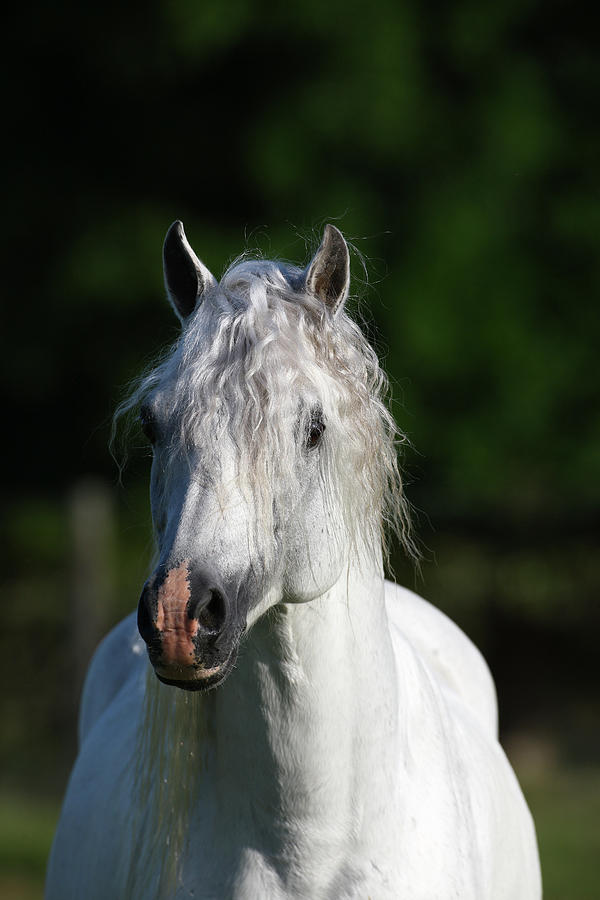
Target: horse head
x,y
260,419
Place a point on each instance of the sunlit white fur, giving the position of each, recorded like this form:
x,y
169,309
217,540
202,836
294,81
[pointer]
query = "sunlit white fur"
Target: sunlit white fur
x,y
352,753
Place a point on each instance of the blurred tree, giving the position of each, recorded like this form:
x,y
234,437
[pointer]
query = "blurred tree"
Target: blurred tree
x,y
455,144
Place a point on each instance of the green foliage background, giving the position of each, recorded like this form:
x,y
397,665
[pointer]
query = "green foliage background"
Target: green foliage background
x,y
457,146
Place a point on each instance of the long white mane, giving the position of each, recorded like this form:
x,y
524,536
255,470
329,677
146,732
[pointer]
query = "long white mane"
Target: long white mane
x,y
255,340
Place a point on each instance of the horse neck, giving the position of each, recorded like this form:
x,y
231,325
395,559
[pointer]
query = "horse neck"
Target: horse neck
x,y
298,725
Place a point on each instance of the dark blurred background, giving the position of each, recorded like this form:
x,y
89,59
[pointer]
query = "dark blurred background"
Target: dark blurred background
x,y
458,147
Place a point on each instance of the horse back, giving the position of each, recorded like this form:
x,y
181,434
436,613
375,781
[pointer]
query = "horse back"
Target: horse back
x,y
121,654
458,666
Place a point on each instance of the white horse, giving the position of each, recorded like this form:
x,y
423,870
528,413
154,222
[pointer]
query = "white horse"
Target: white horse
x,y
347,746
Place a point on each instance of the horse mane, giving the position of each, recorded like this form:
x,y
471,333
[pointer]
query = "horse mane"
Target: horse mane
x,y
259,337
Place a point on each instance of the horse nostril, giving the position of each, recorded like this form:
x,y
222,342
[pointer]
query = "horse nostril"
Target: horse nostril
x,y
146,627
210,611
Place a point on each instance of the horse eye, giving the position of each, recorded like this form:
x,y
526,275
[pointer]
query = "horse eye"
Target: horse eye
x,y
315,431
147,423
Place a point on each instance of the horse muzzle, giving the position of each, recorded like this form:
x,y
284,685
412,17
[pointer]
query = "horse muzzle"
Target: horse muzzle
x,y
186,620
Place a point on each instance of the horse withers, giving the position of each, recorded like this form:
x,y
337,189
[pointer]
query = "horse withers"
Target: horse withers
x,y
282,723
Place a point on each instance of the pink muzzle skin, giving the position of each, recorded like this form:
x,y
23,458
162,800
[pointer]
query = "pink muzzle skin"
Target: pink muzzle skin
x,y
176,628
184,616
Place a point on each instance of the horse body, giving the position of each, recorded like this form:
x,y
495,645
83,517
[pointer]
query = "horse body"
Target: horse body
x,y
351,753
305,793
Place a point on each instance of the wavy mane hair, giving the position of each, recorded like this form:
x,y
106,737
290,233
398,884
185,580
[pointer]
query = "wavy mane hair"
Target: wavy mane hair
x,y
257,339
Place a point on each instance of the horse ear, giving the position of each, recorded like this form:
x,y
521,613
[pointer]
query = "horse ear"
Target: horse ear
x,y
328,275
186,278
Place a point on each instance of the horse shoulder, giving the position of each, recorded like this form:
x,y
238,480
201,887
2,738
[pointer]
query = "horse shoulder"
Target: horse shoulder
x,y
121,654
476,793
455,661
92,840
511,862
88,843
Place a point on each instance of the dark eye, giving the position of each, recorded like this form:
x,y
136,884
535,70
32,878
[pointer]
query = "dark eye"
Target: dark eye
x,y
316,428
148,424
